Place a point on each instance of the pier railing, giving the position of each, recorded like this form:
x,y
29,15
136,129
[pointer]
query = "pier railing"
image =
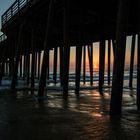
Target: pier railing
x,y
13,9
3,37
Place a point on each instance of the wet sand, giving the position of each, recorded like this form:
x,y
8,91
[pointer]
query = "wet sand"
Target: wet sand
x,y
86,118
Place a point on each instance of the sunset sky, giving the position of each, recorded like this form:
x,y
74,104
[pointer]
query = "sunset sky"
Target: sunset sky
x,y
96,55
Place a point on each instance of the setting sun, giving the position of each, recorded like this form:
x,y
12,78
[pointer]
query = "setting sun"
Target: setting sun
x,y
95,66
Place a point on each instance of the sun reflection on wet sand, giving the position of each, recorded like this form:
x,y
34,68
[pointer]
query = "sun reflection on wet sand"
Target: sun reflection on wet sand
x,y
85,118
96,114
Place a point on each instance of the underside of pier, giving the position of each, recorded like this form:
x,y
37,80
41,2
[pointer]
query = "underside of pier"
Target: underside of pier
x,y
32,26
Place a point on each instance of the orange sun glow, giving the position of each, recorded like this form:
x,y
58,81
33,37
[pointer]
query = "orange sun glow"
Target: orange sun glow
x,y
95,66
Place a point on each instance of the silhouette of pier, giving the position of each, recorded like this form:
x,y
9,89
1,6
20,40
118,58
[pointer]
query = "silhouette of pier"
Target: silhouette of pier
x,y
32,26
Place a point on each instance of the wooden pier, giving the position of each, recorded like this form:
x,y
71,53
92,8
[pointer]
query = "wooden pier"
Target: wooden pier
x,y
33,26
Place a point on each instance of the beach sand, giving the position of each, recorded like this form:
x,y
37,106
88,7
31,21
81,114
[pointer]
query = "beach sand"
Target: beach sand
x,y
87,118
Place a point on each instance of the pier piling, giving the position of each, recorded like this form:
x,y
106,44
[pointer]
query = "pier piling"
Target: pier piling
x,y
132,61
101,65
117,82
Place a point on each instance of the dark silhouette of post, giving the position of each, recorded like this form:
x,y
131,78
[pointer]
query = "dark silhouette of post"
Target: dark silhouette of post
x,y
48,66
21,66
17,57
90,57
11,58
66,44
113,47
84,64
11,63
39,55
61,64
6,68
117,82
33,60
55,66
35,63
78,69
2,65
132,61
28,67
101,65
24,67
109,53
42,81
138,65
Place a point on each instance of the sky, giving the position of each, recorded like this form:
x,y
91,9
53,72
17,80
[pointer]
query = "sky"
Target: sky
x,y
4,5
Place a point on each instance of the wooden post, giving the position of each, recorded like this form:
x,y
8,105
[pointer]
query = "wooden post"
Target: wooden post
x,y
11,60
42,82
101,65
9,68
91,71
66,44
61,64
117,83
55,65
39,55
24,68
21,66
78,68
138,71
90,57
113,47
2,65
6,68
28,67
1,71
48,66
33,60
35,64
66,71
84,64
138,63
109,53
132,61
18,52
